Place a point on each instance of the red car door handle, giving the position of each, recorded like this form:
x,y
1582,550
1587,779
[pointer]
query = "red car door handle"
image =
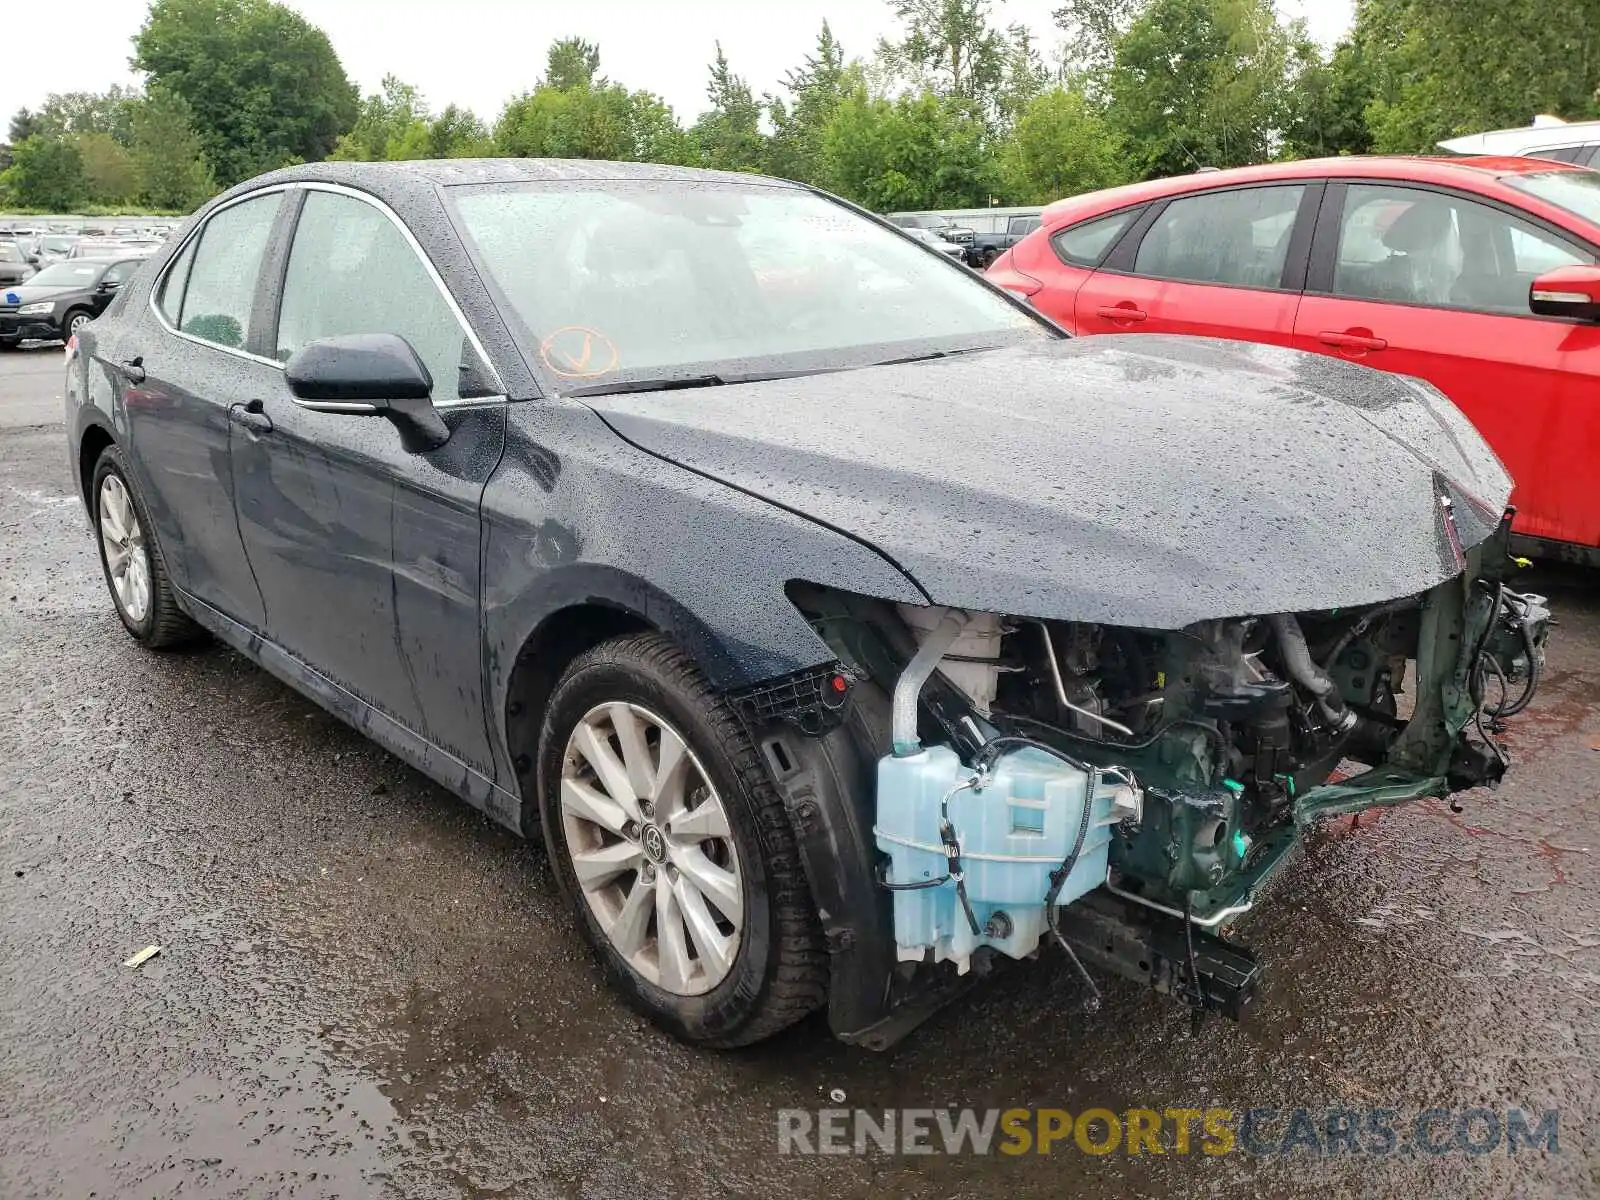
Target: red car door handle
x,y
1351,341
1121,312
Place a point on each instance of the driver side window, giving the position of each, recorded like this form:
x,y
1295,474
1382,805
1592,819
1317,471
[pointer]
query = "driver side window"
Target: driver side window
x,y
352,271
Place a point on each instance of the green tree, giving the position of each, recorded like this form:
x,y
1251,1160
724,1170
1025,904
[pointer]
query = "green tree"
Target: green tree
x,y
108,168
168,156
1061,146
47,173
572,63
385,119
949,48
457,133
914,152
1023,79
1200,83
1091,31
108,112
1439,68
815,90
1327,103
24,124
729,136
265,86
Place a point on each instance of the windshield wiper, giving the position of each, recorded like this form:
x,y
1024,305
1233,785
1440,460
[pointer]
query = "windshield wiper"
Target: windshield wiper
x,y
932,354
675,383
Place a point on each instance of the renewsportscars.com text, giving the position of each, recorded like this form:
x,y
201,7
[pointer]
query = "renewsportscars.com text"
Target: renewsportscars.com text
x,y
1207,1131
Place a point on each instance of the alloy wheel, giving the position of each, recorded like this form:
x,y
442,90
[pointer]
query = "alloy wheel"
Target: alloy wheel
x,y
77,323
651,849
127,560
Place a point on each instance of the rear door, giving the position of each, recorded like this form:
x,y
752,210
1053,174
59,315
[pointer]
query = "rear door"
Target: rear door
x,y
367,554
1429,282
179,369
1229,262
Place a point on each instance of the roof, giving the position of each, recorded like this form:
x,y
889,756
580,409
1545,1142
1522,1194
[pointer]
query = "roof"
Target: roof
x,y
1436,169
444,172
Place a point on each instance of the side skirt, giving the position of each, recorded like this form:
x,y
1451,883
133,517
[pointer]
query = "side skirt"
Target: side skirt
x,y
444,769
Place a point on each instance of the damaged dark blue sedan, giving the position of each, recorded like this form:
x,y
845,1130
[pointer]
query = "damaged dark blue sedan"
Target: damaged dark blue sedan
x,y
841,628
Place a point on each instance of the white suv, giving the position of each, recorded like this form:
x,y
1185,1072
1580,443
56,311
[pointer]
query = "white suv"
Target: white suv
x,y
1548,137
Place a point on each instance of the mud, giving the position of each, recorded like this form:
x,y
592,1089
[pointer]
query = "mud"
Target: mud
x,y
367,990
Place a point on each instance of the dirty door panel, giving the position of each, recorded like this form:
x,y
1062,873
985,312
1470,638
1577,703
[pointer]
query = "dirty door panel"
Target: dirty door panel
x,y
180,431
368,554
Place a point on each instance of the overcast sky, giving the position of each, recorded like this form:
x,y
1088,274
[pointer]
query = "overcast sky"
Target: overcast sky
x,y
479,53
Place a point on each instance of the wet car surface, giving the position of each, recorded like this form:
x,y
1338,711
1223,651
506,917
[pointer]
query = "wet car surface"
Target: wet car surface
x,y
366,988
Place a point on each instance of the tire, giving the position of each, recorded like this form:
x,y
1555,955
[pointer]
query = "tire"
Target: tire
x,y
74,320
9,344
778,972
989,256
158,622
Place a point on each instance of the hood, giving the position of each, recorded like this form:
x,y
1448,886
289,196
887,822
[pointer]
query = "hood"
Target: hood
x,y
27,293
1138,480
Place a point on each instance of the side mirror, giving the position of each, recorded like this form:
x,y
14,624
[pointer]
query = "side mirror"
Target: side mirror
x,y
370,374
1571,292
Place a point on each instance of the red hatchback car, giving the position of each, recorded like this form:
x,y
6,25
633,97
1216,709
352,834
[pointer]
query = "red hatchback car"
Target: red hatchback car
x,y
1478,275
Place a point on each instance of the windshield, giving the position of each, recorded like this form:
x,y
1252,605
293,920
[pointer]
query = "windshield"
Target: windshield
x,y
68,274
631,281
59,245
1576,191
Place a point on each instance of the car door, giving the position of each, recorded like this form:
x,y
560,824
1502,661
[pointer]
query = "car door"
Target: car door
x,y
1229,262
1428,282
367,555
179,368
111,283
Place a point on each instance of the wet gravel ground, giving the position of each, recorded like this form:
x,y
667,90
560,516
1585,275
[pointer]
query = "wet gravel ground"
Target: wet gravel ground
x,y
367,990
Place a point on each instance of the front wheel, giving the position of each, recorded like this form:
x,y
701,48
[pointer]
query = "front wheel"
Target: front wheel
x,y
674,850
73,323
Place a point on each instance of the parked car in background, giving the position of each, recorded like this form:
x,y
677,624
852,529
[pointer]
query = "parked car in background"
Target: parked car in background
x,y
994,230
61,299
935,223
93,247
927,238
1476,274
1576,142
839,626
14,264
54,247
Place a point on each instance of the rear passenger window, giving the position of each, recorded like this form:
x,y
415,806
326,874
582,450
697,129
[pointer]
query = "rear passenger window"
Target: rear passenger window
x,y
169,299
1086,244
1234,237
1021,226
222,278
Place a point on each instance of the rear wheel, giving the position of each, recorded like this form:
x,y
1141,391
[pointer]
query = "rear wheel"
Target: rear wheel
x,y
135,571
673,848
989,256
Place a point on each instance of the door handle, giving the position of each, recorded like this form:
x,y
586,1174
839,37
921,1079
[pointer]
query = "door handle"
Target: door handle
x,y
1351,340
132,369
251,415
1121,312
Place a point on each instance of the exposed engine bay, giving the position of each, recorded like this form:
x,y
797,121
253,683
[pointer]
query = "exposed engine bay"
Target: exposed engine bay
x,y
1125,793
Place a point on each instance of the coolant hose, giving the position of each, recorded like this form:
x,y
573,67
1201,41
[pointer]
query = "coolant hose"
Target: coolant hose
x,y
908,688
1303,668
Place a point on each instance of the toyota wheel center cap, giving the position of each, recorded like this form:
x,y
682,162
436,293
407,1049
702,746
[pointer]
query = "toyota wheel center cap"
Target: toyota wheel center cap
x,y
655,845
